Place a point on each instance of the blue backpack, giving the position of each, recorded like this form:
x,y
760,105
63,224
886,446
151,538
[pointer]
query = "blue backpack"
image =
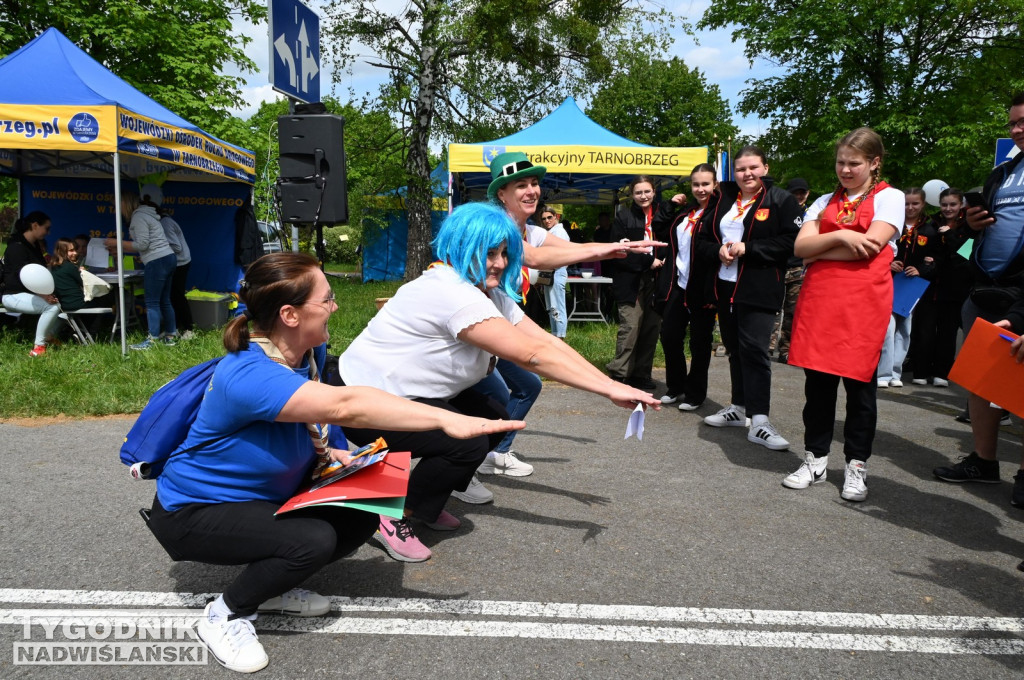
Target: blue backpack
x,y
165,421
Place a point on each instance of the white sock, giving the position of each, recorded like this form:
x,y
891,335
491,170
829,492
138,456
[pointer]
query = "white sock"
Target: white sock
x,y
758,420
219,611
741,409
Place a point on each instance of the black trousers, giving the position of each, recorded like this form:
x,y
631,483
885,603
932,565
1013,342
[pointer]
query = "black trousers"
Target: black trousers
x,y
676,319
281,552
182,311
821,390
446,464
746,332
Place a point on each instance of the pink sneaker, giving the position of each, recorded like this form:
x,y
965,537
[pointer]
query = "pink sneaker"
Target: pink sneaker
x,y
446,521
398,539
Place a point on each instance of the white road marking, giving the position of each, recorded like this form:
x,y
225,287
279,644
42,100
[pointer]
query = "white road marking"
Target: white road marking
x,y
183,606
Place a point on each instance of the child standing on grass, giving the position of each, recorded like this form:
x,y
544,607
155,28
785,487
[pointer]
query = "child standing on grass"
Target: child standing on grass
x,y
847,240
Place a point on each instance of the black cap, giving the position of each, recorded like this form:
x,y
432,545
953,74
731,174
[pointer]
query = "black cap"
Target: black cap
x,y
797,184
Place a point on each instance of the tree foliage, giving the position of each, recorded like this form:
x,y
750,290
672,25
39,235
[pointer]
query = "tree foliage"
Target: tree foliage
x,y
175,51
662,103
459,68
933,77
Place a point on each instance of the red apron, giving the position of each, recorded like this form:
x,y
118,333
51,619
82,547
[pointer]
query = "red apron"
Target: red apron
x,y
843,308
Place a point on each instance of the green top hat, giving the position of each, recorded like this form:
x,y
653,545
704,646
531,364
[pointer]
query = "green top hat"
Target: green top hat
x,y
510,166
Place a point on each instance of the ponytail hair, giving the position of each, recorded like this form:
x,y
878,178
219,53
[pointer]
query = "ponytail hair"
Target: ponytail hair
x,y
270,283
25,223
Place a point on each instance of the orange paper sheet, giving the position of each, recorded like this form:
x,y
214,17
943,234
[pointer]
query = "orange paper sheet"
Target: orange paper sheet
x,y
386,479
986,367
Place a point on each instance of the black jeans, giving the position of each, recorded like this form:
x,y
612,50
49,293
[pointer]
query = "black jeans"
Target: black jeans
x,y
821,391
746,332
281,552
701,322
446,464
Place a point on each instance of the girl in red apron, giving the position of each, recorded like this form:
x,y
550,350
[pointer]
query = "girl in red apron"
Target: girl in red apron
x,y
848,242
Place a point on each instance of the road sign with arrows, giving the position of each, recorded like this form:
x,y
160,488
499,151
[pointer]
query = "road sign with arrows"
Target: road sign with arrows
x,y
295,50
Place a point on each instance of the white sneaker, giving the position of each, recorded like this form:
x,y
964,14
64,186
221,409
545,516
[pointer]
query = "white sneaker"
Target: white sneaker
x,y
297,602
766,435
476,493
896,383
811,471
504,464
730,416
670,398
919,381
187,335
854,488
940,382
883,383
232,642
688,406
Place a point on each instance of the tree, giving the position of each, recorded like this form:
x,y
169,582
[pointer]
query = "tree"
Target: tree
x,y
175,51
457,67
933,77
662,103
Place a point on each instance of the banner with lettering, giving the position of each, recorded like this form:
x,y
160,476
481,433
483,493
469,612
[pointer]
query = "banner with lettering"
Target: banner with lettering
x,y
205,211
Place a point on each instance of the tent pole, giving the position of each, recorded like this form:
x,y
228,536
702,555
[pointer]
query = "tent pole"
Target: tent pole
x,y
119,230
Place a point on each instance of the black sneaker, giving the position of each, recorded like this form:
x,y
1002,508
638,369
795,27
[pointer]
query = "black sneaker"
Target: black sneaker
x,y
964,416
641,383
972,468
1017,499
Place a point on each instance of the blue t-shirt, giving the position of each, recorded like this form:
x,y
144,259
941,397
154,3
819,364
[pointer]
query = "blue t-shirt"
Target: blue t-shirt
x,y
1003,239
263,459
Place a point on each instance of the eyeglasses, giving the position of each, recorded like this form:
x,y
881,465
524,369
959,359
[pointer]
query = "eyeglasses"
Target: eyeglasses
x,y
326,301
1014,124
512,168
548,218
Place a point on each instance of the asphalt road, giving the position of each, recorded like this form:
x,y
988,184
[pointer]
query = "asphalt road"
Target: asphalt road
x,y
680,556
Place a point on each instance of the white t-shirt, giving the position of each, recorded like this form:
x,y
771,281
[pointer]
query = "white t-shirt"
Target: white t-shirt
x,y
684,235
731,227
411,347
535,235
890,207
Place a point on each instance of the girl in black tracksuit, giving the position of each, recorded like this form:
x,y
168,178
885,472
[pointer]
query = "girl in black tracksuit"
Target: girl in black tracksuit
x,y
676,224
748,229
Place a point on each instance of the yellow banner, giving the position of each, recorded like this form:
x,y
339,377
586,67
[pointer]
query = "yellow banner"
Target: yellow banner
x,y
67,128
599,160
148,137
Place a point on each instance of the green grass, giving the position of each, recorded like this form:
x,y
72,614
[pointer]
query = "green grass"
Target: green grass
x,y
79,381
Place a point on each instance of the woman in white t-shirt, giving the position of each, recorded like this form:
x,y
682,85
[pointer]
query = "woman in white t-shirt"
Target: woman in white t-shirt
x,y
437,338
847,241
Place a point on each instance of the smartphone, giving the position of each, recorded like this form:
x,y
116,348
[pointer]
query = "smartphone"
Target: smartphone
x,y
976,199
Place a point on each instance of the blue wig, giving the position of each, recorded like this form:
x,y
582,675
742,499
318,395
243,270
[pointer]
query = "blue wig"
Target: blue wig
x,y
466,236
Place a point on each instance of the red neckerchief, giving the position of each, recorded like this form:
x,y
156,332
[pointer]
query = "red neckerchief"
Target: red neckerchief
x,y
741,207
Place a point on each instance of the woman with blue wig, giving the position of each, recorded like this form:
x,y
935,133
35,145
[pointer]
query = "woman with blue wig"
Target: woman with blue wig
x,y
437,338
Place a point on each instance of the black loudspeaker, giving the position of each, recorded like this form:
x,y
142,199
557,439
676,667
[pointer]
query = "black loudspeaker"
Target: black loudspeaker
x,y
312,186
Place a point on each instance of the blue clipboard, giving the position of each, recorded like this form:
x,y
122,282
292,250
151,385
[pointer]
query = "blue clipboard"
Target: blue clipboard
x,y
906,291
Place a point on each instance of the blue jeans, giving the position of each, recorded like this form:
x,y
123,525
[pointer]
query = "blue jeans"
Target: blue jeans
x,y
555,297
157,278
30,303
894,349
514,388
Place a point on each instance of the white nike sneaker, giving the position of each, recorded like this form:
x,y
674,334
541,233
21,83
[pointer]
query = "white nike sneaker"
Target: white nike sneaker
x,y
811,471
854,488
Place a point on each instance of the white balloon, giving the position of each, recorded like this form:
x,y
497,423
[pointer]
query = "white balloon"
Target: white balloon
x,y
932,189
37,279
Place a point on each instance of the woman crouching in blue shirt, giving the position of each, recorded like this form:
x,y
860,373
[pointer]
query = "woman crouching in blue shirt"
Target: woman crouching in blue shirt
x,y
255,440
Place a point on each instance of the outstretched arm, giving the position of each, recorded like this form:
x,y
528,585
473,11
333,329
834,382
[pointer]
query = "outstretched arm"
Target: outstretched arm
x,y
368,407
529,347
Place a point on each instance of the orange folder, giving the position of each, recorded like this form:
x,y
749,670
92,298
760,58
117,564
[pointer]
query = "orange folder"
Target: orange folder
x,y
387,479
986,367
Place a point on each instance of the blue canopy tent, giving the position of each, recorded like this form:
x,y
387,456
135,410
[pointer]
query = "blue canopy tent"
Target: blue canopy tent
x,y
384,249
68,126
